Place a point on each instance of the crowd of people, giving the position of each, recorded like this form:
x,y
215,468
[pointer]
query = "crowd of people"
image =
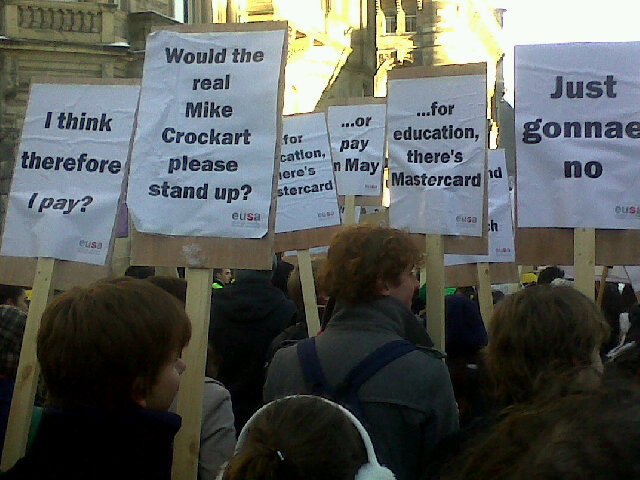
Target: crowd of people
x,y
547,390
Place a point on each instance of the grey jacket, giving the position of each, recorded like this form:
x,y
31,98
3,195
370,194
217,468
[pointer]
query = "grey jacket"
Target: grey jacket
x,y
409,404
217,435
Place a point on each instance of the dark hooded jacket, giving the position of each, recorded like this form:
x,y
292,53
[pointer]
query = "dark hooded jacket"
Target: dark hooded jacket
x,y
82,444
245,318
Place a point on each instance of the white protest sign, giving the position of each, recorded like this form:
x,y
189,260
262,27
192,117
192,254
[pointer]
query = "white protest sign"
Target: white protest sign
x,y
69,170
203,155
357,144
306,187
578,135
501,245
633,272
436,130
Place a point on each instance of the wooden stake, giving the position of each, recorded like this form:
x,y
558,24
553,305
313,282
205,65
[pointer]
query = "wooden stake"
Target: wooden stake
x,y
484,293
584,259
308,292
349,210
602,286
24,392
186,448
435,289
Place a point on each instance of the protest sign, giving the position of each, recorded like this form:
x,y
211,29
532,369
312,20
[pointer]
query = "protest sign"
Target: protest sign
x,y
577,131
306,186
436,131
307,213
64,196
208,133
69,171
211,216
500,225
204,174
633,272
357,142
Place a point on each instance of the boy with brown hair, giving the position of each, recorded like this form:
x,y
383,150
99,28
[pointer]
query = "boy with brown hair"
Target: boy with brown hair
x,y
110,356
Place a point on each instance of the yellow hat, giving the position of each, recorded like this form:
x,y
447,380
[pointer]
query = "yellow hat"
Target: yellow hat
x,y
529,277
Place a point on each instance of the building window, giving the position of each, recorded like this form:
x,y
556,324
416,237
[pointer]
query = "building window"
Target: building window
x,y
411,24
391,23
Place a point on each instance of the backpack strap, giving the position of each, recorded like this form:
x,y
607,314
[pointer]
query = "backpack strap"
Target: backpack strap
x,y
348,389
311,368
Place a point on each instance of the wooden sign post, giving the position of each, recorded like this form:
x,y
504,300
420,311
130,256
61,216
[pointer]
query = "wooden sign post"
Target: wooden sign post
x,y
357,132
584,254
603,285
307,211
56,223
485,297
556,166
198,308
434,262
349,210
452,217
194,211
308,292
24,392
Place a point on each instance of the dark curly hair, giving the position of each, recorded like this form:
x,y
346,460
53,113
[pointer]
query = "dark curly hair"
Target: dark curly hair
x,y
362,257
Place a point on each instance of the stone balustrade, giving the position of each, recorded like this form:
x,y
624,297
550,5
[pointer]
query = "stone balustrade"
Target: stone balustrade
x,y
85,22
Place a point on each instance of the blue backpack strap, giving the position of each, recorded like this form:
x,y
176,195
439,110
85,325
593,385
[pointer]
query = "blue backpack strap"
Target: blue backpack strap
x,y
347,391
311,368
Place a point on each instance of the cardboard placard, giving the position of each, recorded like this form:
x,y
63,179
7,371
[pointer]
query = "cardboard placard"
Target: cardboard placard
x,y
307,213
577,131
500,223
69,170
210,252
207,137
357,142
437,150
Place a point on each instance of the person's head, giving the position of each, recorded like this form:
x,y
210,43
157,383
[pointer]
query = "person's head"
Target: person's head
x,y
223,275
281,275
113,344
138,271
541,332
173,285
365,262
549,274
304,438
465,332
14,296
583,435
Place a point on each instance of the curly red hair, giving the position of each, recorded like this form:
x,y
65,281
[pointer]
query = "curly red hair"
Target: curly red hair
x,y
361,258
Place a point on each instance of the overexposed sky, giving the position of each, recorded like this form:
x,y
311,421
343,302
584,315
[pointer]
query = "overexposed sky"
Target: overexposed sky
x,y
557,21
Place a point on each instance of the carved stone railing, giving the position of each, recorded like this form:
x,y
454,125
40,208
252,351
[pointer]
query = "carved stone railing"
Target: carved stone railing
x,y
84,22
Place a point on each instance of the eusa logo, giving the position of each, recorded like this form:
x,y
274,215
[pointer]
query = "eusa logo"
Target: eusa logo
x,y
90,246
466,219
246,216
624,211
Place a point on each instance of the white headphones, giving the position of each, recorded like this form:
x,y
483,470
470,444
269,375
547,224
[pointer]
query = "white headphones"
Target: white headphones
x,y
371,470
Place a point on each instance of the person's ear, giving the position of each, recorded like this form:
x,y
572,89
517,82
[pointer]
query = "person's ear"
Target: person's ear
x,y
138,393
382,287
9,301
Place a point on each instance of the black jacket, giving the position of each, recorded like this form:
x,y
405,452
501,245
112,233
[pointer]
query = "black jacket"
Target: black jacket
x,y
74,445
245,317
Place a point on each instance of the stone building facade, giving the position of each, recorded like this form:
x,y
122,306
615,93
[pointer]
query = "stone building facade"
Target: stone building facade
x,y
331,48
437,32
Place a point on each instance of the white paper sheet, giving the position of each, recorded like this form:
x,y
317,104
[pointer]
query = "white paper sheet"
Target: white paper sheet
x,y
203,157
436,131
578,135
306,186
69,170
